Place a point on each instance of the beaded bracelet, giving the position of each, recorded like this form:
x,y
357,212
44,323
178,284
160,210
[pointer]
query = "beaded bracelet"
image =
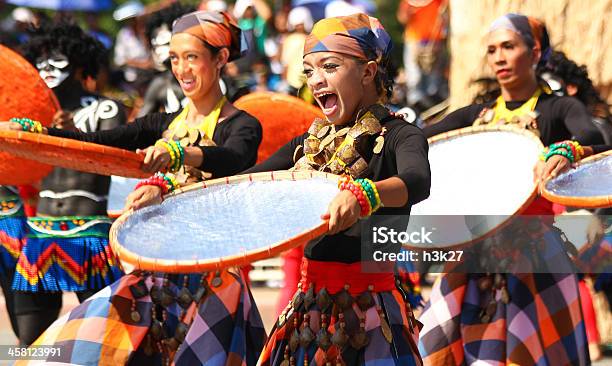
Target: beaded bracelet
x,y
154,181
365,191
169,149
571,150
176,151
567,154
28,125
163,181
357,191
181,151
170,180
372,192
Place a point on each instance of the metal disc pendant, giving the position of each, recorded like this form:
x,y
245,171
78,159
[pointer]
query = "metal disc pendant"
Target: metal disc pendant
x,y
135,315
380,141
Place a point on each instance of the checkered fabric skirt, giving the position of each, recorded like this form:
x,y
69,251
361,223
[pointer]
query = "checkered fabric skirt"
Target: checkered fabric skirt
x,y
535,320
383,333
155,319
596,259
66,254
12,233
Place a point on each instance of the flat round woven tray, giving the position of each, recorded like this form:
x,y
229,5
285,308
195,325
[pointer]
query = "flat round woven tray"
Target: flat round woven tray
x,y
481,177
72,154
588,185
226,222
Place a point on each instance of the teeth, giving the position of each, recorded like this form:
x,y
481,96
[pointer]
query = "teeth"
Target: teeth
x,y
323,94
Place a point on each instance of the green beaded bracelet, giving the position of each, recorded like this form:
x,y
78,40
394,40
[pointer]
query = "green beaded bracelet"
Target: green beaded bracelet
x,y
566,154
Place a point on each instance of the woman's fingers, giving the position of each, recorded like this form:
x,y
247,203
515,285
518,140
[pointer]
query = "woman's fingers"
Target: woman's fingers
x,y
559,168
537,171
155,159
147,163
131,198
333,219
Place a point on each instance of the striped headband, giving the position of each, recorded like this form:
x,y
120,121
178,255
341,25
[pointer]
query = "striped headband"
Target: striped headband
x,y
357,35
218,29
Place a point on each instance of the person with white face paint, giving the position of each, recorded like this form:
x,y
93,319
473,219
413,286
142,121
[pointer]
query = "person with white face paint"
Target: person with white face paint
x,y
73,224
164,93
53,69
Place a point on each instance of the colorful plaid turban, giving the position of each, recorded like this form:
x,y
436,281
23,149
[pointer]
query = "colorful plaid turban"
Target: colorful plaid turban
x,y
531,30
218,29
356,35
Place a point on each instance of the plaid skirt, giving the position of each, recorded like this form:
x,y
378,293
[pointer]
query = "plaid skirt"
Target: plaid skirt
x,y
534,319
66,254
12,233
368,322
596,259
155,319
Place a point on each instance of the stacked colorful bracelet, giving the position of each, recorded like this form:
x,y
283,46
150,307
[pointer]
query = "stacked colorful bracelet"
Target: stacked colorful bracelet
x,y
568,149
165,182
176,151
29,125
365,191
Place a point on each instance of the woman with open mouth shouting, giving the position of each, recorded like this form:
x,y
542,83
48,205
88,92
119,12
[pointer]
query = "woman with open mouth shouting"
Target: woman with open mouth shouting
x,y
343,312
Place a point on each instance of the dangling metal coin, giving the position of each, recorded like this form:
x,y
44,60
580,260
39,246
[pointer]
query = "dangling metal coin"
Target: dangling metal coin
x,y
323,131
306,336
359,339
180,131
294,340
298,153
326,141
216,282
380,141
324,339
488,116
135,315
372,125
194,135
343,131
340,338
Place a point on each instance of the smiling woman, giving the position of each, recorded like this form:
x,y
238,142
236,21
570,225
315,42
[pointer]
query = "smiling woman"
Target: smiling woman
x,y
191,318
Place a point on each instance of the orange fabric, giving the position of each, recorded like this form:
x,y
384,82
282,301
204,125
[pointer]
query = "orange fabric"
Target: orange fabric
x,y
282,117
334,276
422,21
23,94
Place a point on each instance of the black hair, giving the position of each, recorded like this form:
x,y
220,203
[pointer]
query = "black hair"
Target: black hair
x,y
571,73
83,51
166,16
385,78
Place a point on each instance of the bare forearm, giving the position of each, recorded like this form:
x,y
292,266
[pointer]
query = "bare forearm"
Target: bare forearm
x,y
193,156
393,192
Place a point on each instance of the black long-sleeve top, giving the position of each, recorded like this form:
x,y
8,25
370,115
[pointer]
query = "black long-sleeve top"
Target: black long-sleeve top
x,y
404,156
237,138
560,118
